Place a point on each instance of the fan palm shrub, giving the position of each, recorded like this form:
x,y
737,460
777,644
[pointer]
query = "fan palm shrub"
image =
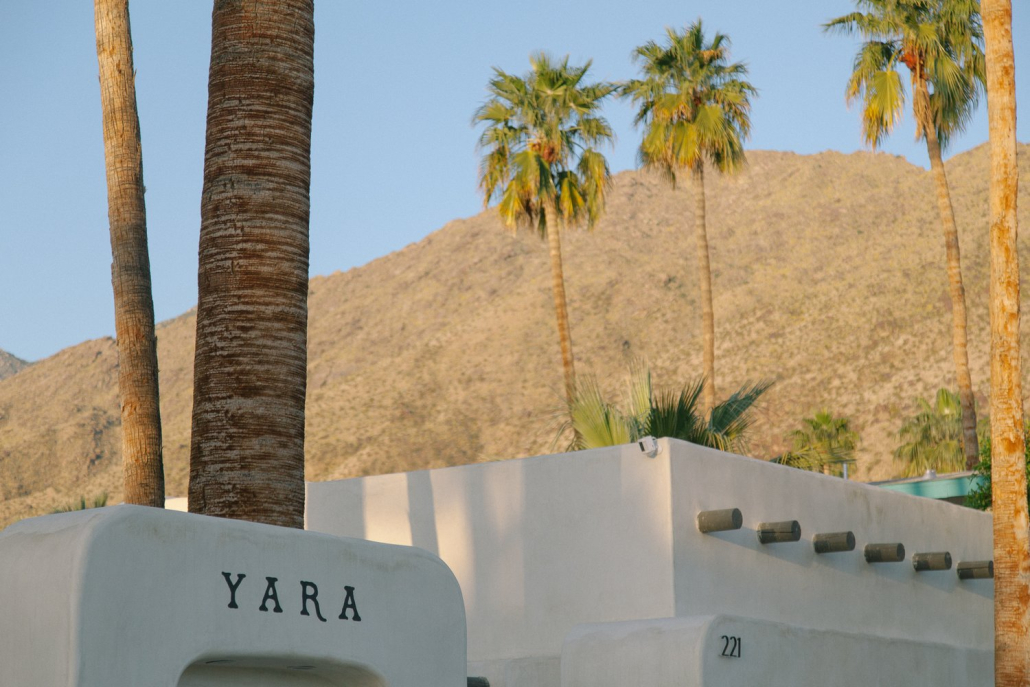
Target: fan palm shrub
x,y
932,438
824,443
595,421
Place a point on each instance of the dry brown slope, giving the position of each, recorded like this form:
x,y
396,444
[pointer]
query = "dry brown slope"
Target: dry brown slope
x,y
829,279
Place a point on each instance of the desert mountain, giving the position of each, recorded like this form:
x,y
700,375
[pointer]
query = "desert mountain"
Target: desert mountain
x,y
10,364
829,278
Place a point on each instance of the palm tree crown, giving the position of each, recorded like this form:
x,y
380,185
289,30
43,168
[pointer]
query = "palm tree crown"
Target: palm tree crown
x,y
542,131
693,103
939,41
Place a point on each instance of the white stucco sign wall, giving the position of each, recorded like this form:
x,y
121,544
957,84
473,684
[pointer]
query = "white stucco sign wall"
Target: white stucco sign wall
x,y
137,597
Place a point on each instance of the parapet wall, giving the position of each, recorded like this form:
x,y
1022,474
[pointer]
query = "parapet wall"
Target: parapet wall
x,y
540,545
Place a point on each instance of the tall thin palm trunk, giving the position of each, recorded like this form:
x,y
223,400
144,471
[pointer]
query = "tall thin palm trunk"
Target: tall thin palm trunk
x,y
704,273
1008,472
143,469
955,288
247,447
560,308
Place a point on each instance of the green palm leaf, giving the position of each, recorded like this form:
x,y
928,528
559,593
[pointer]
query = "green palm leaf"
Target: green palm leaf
x,y
941,44
595,421
932,439
693,103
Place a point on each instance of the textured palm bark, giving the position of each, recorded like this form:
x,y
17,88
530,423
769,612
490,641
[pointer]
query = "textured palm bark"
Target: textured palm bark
x,y
955,288
250,370
704,272
1008,473
560,309
143,468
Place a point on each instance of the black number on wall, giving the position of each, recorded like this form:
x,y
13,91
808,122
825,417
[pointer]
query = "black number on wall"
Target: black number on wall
x,y
730,646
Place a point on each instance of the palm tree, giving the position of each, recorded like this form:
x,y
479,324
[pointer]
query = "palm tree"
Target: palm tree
x,y
824,442
939,41
695,108
596,422
1008,476
143,467
541,163
933,437
247,447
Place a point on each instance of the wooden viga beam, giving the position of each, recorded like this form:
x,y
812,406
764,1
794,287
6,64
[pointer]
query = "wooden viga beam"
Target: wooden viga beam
x,y
884,553
832,542
779,532
935,560
975,570
719,520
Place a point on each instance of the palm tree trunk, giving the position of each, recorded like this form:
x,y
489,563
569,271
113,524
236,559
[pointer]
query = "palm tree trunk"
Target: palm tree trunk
x,y
250,370
704,272
560,309
1008,464
143,469
955,288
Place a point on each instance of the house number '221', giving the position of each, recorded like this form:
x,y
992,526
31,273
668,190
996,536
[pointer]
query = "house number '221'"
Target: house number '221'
x,y
730,646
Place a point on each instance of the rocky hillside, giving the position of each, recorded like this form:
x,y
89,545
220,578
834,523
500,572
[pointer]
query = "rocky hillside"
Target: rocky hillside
x,y
828,277
10,364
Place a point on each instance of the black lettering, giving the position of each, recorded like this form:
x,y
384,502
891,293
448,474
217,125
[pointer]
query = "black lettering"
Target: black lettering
x,y
349,602
233,587
312,596
731,646
271,595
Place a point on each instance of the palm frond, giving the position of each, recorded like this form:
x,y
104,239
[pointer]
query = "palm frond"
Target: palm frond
x,y
593,421
539,141
932,439
941,43
596,422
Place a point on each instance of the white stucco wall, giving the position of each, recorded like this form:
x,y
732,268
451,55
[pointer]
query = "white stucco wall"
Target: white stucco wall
x,y
541,545
537,544
128,596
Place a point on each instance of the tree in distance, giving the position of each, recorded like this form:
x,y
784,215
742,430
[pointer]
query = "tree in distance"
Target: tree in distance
x,y
932,438
694,105
541,161
595,421
940,42
824,443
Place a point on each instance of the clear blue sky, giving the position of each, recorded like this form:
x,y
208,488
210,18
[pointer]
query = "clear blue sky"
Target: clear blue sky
x,y
393,151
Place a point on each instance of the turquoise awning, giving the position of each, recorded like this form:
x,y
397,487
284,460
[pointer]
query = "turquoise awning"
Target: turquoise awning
x,y
950,486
